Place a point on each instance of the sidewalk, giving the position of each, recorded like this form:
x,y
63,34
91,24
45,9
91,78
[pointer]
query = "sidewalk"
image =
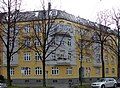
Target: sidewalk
x,y
61,85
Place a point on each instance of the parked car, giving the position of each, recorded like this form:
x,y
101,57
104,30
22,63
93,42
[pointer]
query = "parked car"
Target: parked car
x,y
118,82
104,83
3,84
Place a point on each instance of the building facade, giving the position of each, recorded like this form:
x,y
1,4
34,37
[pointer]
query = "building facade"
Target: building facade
x,y
62,65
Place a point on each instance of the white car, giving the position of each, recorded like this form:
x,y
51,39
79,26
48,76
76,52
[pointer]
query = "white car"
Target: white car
x,y
3,85
104,83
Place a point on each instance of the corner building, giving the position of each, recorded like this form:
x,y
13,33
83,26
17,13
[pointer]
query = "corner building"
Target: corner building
x,y
64,64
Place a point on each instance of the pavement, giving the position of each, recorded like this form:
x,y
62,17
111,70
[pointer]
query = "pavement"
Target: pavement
x,y
52,85
61,85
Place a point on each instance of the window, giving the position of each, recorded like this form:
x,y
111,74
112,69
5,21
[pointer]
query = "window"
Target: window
x,y
38,71
107,70
62,55
97,58
37,28
106,61
36,42
38,56
55,71
62,42
113,70
27,42
11,31
98,71
53,56
88,71
69,42
27,56
25,70
69,55
112,61
11,71
27,28
69,70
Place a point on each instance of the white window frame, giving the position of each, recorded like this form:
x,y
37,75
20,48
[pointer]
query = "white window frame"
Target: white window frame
x,y
37,43
27,56
69,41
25,71
69,71
37,28
11,71
55,71
38,71
37,57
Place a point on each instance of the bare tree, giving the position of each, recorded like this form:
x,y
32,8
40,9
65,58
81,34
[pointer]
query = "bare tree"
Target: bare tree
x,y
114,40
45,32
116,19
9,11
82,43
102,34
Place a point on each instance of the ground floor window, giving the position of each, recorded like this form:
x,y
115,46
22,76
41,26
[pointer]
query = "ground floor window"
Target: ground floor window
x,y
25,70
55,71
11,71
113,70
38,70
107,70
98,71
69,70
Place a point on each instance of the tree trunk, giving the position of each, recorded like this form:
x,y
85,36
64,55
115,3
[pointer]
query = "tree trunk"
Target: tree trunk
x,y
103,65
8,72
44,80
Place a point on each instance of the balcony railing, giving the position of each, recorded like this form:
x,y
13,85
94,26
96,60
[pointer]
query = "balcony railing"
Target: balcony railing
x,y
63,62
97,64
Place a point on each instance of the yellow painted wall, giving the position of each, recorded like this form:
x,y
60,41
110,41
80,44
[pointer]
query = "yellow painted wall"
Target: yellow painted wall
x,y
62,69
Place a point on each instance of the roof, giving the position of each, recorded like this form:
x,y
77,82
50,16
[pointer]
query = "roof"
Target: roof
x,y
39,15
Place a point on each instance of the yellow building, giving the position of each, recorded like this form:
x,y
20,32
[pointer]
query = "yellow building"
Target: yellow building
x,y
63,65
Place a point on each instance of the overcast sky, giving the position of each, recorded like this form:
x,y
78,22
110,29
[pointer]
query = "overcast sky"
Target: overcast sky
x,y
84,8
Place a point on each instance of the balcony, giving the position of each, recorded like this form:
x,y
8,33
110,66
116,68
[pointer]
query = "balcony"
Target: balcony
x,y
97,64
63,62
